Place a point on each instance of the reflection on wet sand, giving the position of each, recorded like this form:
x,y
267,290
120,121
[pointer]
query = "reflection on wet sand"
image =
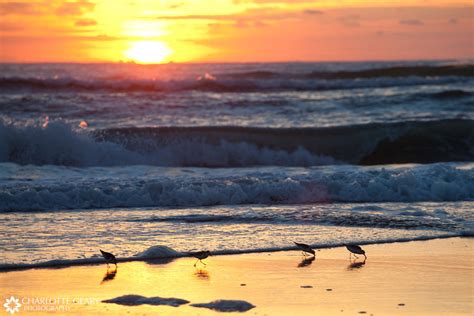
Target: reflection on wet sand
x,y
109,275
355,265
306,262
202,274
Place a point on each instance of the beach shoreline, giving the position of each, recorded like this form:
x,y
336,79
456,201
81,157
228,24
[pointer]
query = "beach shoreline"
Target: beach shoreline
x,y
431,277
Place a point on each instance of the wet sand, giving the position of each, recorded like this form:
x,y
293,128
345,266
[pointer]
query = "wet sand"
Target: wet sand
x,y
415,278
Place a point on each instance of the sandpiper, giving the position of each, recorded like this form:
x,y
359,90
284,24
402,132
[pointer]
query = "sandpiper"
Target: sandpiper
x,y
200,255
109,258
355,249
305,249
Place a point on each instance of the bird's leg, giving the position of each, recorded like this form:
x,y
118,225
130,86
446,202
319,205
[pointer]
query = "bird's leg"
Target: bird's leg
x,y
196,262
365,257
203,263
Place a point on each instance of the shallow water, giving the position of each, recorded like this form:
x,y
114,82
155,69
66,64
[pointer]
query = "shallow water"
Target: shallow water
x,y
127,232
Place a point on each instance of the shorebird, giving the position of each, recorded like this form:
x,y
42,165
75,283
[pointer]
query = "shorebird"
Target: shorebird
x,y
305,249
200,255
109,258
355,249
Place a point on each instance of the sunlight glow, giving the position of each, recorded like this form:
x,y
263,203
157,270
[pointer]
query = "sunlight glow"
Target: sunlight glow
x,y
150,31
148,52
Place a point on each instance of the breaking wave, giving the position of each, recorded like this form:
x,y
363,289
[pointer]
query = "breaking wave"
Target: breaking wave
x,y
154,187
371,144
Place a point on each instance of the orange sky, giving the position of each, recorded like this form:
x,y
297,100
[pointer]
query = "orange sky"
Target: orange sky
x,y
234,30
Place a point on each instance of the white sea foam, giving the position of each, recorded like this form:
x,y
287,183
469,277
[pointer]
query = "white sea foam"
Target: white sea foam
x,y
27,188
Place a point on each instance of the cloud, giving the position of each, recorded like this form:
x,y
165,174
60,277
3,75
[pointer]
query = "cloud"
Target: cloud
x,y
257,15
46,7
414,22
313,11
10,27
273,1
249,23
68,37
230,17
20,8
350,20
85,22
176,5
75,8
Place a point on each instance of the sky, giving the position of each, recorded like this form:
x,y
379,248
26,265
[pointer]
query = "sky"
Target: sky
x,y
154,31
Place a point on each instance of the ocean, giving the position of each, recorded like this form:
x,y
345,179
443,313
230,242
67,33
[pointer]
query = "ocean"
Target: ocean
x,y
152,160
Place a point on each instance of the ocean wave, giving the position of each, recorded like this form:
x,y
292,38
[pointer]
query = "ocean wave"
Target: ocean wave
x,y
410,218
465,70
452,94
409,142
400,71
92,188
58,144
251,81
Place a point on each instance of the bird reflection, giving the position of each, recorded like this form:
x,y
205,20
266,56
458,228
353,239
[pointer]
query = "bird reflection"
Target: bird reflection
x,y
202,274
306,262
109,275
355,265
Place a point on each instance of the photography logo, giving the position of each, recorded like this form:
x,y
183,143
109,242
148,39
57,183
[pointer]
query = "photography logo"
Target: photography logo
x,y
12,305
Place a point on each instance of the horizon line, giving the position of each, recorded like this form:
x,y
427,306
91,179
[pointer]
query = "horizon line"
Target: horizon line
x,y
470,59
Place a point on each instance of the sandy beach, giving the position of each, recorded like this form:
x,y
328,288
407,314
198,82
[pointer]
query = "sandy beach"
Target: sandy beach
x,y
415,278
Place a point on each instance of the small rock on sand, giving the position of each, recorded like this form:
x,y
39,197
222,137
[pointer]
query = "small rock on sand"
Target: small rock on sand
x,y
401,304
243,284
135,300
306,286
226,305
329,290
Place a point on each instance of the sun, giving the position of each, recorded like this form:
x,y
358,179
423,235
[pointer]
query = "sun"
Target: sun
x,y
148,52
